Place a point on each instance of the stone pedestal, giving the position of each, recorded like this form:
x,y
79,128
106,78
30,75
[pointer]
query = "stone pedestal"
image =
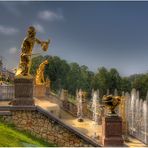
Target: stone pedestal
x,y
23,92
112,131
40,90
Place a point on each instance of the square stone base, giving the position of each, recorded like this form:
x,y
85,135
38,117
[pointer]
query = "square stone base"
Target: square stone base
x,y
23,92
112,131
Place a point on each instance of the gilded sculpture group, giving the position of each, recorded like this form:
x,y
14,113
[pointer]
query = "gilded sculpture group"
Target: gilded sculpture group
x,y
23,70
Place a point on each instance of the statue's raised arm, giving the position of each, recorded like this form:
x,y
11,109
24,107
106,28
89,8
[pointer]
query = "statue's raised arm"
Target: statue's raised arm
x,y
26,52
44,44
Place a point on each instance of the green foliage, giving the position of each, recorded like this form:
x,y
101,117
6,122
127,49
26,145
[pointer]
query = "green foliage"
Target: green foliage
x,y
125,84
35,64
140,82
105,79
72,76
10,137
114,80
57,71
101,80
78,77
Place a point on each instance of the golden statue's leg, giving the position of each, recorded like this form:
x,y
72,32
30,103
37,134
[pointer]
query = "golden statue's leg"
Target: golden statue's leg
x,y
29,65
25,65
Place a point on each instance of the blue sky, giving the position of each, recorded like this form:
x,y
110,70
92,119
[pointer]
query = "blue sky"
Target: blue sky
x,y
95,34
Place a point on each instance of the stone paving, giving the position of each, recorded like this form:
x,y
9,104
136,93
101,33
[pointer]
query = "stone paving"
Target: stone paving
x,y
87,127
47,105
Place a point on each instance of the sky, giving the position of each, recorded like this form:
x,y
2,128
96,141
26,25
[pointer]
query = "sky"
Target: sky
x,y
95,34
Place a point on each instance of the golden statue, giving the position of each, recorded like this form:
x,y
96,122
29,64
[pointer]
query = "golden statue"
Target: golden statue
x,y
40,73
111,102
26,52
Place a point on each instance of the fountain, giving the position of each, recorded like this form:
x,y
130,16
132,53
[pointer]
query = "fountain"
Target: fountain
x,y
95,106
136,112
126,104
115,92
79,95
107,93
137,119
140,118
95,110
145,116
133,100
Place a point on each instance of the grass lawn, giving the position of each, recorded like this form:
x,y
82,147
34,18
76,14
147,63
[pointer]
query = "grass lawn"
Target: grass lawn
x,y
11,137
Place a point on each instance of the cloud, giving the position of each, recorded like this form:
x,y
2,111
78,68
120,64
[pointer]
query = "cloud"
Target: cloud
x,y
12,7
48,15
39,28
12,50
8,30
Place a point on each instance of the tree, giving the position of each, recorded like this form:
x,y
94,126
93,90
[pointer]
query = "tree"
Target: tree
x,y
36,61
125,84
114,80
101,80
140,82
57,71
72,76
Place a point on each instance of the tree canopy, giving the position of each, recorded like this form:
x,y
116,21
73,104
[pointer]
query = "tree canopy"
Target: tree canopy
x,y
72,76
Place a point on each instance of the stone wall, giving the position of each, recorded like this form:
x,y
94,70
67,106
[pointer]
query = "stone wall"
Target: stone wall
x,y
44,125
69,107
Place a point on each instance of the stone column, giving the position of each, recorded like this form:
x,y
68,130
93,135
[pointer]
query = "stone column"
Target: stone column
x,y
112,131
123,114
23,92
